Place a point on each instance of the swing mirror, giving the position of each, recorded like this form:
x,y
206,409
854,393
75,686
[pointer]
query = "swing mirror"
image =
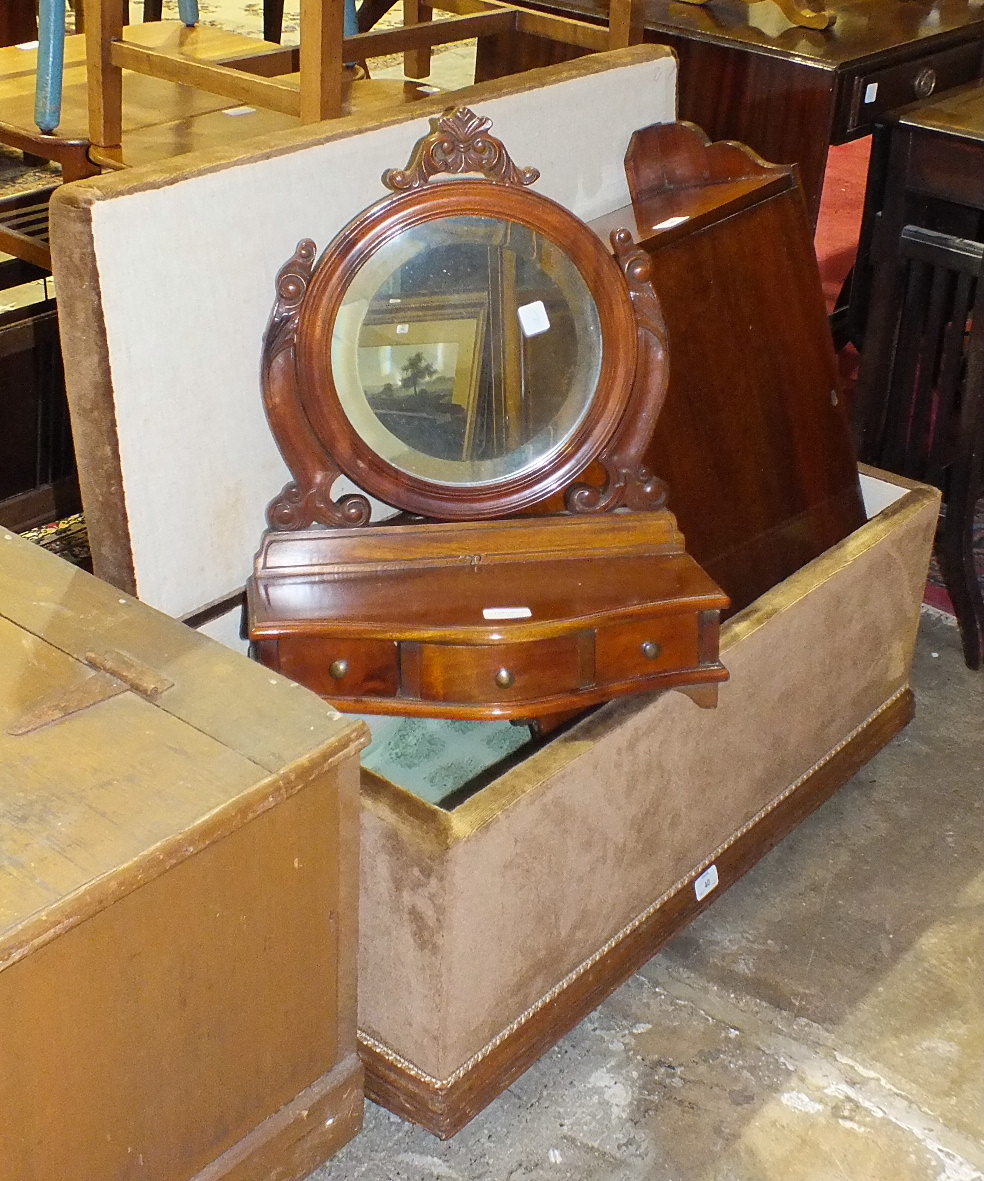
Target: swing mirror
x,y
462,350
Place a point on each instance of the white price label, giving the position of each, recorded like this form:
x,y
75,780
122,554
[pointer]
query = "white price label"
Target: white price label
x,y
706,882
533,318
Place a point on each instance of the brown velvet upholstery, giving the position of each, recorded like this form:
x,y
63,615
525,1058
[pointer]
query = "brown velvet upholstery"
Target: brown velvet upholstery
x,y
470,918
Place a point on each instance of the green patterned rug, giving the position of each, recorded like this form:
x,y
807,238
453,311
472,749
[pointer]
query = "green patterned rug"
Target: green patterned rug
x,y
442,761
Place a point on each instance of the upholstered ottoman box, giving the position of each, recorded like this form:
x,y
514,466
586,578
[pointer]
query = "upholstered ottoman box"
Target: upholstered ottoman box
x,y
490,929
178,897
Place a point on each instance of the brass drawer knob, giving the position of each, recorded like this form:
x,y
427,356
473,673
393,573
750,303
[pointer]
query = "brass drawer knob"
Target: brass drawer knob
x,y
651,650
925,82
505,678
337,669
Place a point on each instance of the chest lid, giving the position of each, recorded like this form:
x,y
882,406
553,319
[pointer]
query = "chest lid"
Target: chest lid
x,y
127,743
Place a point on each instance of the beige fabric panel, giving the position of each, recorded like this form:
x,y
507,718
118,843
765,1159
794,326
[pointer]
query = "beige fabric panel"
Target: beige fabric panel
x,y
590,832
403,963
176,269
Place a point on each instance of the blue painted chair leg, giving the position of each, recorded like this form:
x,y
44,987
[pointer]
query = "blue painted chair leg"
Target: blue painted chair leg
x,y
351,19
350,27
51,65
188,12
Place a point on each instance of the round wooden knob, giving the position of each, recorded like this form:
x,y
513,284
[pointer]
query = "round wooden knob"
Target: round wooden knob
x,y
650,649
337,669
505,678
925,82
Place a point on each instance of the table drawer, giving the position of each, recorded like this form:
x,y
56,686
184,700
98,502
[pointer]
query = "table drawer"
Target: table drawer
x,y
626,651
877,90
340,667
501,672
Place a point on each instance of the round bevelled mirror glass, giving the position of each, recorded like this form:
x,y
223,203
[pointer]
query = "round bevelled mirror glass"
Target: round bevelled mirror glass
x,y
467,350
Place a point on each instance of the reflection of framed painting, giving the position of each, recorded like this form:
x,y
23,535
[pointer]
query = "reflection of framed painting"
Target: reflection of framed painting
x,y
420,363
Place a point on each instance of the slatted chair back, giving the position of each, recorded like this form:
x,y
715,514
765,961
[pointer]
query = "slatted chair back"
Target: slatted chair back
x,y
924,409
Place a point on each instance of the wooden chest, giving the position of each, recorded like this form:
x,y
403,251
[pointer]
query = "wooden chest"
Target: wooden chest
x,y
178,897
496,919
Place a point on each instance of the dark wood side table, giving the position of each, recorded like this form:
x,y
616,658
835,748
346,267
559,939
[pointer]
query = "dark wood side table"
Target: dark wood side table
x,y
788,92
919,405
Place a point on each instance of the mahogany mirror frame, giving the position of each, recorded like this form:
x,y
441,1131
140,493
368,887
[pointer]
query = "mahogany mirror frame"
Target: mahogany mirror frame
x,y
320,442
382,223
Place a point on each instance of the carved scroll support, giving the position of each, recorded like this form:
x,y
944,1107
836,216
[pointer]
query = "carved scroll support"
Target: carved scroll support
x,y
299,506
306,500
629,483
292,282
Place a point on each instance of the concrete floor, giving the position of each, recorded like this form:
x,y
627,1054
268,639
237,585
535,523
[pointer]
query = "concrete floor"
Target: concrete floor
x,y
822,1022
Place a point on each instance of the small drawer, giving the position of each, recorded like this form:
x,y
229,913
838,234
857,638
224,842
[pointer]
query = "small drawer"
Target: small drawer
x,y
879,90
340,667
626,651
502,672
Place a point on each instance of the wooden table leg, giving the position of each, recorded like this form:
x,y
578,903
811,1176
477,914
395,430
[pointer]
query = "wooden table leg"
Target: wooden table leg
x,y
273,20
322,32
103,25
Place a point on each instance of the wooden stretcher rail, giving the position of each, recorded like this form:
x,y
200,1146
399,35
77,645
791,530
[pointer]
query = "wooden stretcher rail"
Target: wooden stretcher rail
x,y
271,93
24,227
468,7
410,37
571,32
481,20
625,26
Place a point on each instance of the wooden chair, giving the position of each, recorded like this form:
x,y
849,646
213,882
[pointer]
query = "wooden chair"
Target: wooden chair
x,y
51,51
919,404
921,395
308,83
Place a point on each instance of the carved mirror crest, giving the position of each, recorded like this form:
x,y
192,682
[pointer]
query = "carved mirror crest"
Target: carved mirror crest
x,y
465,348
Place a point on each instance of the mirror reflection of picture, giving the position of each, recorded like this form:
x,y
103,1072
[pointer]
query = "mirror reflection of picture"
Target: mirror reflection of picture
x,y
420,362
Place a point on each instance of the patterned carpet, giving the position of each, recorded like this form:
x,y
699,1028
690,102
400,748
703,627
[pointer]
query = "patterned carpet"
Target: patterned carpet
x,y
18,177
67,538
